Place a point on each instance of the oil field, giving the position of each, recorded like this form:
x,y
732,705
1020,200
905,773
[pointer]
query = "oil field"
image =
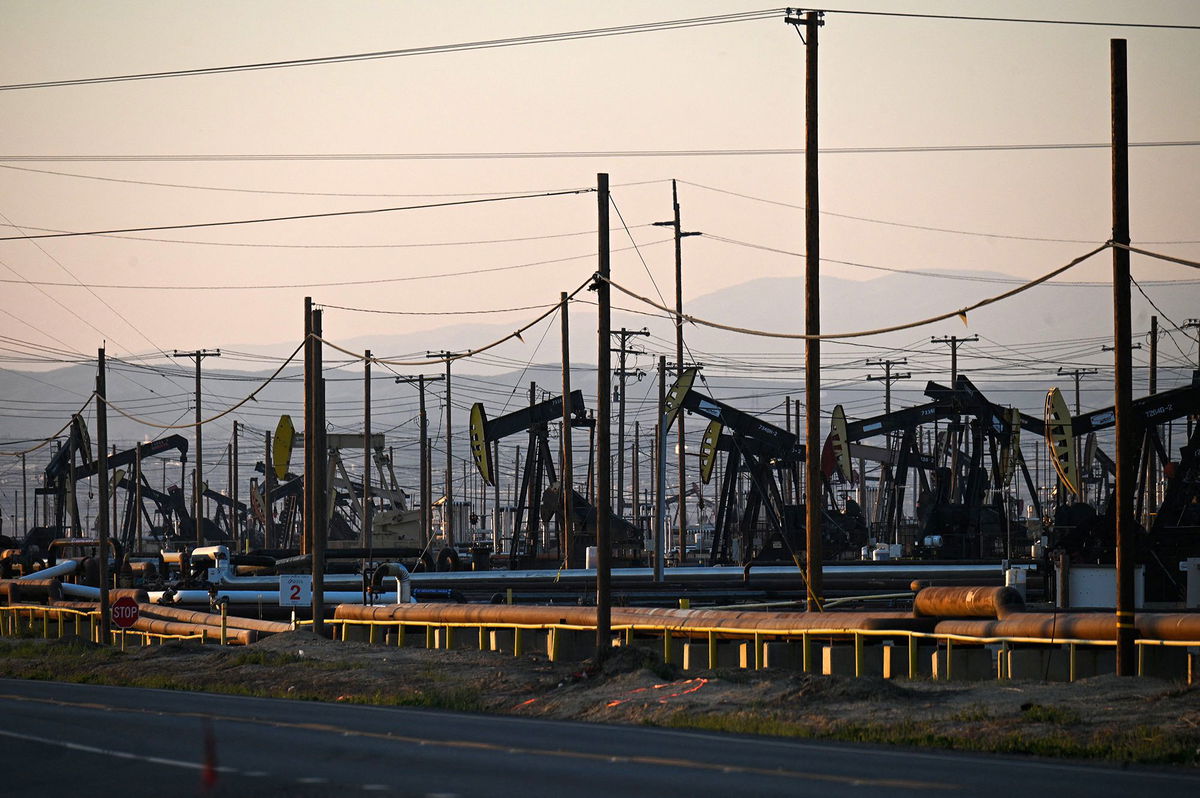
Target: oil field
x,y
422,368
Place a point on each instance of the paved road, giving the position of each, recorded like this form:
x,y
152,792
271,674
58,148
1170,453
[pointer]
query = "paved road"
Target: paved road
x,y
58,739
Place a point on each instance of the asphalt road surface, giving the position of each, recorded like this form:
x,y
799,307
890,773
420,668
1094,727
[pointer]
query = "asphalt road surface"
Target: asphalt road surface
x,y
60,739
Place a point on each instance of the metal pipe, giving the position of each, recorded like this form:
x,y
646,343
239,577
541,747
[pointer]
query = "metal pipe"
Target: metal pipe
x,y
61,569
968,602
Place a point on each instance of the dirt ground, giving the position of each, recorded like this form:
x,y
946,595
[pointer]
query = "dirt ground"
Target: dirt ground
x,y
1136,720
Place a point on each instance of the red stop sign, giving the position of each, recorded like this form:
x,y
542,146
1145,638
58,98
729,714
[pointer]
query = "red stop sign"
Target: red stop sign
x,y
124,612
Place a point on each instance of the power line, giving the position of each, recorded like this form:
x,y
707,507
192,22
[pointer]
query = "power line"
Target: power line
x,y
629,153
411,245
919,273
486,44
330,214
331,284
1023,20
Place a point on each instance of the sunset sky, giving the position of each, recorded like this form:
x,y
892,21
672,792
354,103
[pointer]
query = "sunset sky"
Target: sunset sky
x,y
886,82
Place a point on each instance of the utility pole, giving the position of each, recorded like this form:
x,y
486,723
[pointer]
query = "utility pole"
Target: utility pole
x,y
1077,374
660,474
888,378
233,487
24,497
567,480
603,426
269,489
448,507
1192,324
676,225
624,335
636,485
812,309
197,485
368,538
424,466
137,488
1123,382
321,492
102,470
952,428
954,341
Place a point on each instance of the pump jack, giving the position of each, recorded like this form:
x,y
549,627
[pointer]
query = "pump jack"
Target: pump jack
x,y
539,498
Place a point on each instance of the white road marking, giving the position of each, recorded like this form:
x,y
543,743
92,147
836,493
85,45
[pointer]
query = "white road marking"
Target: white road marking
x,y
91,749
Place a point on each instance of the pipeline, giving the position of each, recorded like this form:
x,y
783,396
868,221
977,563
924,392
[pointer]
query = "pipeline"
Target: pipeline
x,y
1077,626
160,612
393,569
61,569
233,636
967,602
685,621
265,597
24,591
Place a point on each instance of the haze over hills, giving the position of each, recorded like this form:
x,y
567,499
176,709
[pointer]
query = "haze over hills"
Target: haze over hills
x,y
753,373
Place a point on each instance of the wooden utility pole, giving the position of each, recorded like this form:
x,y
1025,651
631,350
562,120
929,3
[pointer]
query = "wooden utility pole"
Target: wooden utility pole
x,y
636,482
137,488
888,378
269,486
1151,479
812,313
566,482
24,499
238,532
102,470
1123,380
448,506
603,427
676,225
660,473
320,503
622,351
425,461
198,483
366,510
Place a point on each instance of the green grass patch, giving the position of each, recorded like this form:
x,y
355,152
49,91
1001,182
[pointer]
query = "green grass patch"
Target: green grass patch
x,y
1141,745
1057,716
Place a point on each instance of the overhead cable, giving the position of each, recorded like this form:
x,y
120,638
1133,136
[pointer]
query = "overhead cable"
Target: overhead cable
x,y
210,419
628,153
450,357
960,313
61,429
298,217
487,44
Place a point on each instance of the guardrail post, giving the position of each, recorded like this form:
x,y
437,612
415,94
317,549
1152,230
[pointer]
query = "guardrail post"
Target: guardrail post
x,y
518,640
858,655
628,635
712,650
430,640
1072,672
224,624
949,658
60,624
758,651
806,652
46,624
449,637
483,638
912,656
667,644
400,635
1141,656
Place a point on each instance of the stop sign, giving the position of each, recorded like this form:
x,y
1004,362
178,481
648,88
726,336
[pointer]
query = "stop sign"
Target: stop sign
x,y
124,612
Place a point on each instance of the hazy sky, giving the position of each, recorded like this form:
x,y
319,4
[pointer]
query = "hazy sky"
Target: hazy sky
x,y
885,82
